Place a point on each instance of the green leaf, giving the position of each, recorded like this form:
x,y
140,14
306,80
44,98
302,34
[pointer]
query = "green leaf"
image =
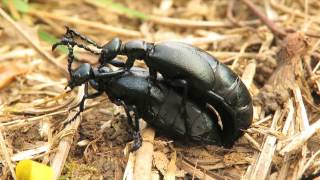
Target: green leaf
x,y
51,39
20,5
123,9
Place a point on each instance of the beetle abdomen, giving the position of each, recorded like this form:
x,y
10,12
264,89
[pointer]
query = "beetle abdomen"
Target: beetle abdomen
x,y
233,101
166,114
215,83
178,60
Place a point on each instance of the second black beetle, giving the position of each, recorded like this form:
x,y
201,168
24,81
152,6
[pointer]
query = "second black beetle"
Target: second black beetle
x,y
157,104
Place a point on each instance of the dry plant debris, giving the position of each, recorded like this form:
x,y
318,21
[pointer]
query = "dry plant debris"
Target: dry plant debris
x,y
273,45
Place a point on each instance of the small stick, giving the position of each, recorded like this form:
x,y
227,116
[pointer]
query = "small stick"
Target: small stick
x,y
31,153
128,172
248,73
252,141
177,22
37,47
308,164
144,156
5,153
301,108
263,164
230,14
171,170
274,28
92,24
186,166
301,138
66,142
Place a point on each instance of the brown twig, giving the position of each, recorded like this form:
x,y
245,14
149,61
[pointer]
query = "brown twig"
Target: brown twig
x,y
230,13
178,22
91,24
263,164
5,154
274,28
65,143
144,155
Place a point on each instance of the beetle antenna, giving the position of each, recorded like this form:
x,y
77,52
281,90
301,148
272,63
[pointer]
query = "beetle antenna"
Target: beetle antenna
x,y
73,33
86,48
69,41
70,60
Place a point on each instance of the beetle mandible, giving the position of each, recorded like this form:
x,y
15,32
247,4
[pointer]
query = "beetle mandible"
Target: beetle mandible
x,y
201,77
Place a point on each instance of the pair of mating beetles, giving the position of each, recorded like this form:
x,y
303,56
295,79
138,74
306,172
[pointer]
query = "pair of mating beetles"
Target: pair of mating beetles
x,y
183,102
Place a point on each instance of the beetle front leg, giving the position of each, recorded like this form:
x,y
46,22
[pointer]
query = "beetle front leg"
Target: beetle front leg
x,y
117,63
129,63
102,75
134,50
81,104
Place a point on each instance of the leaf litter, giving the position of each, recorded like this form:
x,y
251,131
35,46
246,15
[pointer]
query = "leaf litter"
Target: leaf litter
x,y
273,46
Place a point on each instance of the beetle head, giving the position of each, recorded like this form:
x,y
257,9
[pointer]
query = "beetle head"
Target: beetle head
x,y
81,75
110,50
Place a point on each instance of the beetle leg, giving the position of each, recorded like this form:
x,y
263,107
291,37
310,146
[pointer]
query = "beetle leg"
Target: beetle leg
x,y
104,75
127,110
137,141
183,84
153,74
183,108
117,63
81,104
129,63
136,134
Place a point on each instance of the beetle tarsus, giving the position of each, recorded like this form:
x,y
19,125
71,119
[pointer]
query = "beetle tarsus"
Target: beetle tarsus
x,y
137,141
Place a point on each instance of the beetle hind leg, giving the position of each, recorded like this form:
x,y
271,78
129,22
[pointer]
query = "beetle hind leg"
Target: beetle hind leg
x,y
181,83
137,140
136,134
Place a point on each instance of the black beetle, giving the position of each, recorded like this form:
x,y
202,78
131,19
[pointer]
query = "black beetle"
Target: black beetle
x,y
201,77
157,104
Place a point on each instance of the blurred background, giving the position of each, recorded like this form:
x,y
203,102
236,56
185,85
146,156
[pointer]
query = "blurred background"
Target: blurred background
x,y
273,45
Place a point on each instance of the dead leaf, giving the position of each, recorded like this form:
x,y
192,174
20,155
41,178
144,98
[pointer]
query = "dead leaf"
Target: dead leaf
x,y
8,72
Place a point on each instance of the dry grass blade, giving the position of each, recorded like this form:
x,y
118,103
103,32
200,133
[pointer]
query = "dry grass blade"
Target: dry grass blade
x,y
276,30
301,138
29,154
5,153
46,55
170,174
263,164
90,24
66,141
308,164
186,166
143,161
288,125
128,172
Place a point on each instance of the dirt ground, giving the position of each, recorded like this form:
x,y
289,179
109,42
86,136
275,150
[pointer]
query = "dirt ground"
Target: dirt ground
x,y
272,45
